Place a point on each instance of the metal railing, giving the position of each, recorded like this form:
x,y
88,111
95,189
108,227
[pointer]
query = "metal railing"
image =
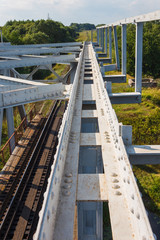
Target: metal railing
x,y
6,150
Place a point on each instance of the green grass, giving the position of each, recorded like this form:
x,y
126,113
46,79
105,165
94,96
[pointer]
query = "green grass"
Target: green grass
x,y
86,36
145,121
60,69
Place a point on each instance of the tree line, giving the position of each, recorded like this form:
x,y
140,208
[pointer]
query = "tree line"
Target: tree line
x,y
35,32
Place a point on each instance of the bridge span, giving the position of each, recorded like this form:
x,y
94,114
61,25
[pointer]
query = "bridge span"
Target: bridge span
x,y
92,163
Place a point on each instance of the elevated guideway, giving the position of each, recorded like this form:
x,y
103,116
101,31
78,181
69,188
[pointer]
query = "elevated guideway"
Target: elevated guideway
x,y
79,181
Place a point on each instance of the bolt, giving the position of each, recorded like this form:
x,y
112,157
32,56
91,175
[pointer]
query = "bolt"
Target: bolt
x,y
118,193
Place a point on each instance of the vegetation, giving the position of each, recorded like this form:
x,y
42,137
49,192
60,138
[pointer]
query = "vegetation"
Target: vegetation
x,y
34,32
79,27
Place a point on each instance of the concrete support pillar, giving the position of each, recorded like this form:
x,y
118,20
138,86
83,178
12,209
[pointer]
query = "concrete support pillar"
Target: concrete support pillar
x,y
72,75
98,36
139,51
124,48
116,48
10,124
106,38
110,43
1,121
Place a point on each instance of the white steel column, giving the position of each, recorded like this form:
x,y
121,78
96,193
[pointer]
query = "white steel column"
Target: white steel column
x,y
106,35
102,39
22,111
110,43
139,50
1,121
116,48
98,36
72,75
124,48
10,123
91,35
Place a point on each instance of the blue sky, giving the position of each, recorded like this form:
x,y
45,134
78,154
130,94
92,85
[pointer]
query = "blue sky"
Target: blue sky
x,y
80,11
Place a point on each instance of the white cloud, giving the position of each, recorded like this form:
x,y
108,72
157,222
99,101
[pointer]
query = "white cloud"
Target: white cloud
x,y
67,11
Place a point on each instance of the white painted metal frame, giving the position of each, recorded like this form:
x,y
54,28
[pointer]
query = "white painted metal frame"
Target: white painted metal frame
x,y
125,203
47,215
153,16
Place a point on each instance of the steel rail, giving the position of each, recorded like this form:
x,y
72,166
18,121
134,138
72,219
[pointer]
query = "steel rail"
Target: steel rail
x,y
28,171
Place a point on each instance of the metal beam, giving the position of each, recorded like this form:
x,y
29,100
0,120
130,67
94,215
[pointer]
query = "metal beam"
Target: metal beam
x,y
1,121
98,36
106,40
110,42
153,16
115,78
124,48
70,44
22,111
33,94
31,61
10,124
123,98
37,51
116,48
144,154
139,51
110,67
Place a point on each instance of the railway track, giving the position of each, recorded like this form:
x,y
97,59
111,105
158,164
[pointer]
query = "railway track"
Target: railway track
x,y
23,196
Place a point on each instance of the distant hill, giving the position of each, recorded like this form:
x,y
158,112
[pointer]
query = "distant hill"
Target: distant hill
x,y
79,27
